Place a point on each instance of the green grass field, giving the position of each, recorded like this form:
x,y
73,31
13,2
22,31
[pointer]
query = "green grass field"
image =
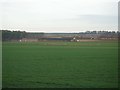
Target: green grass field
x,y
60,64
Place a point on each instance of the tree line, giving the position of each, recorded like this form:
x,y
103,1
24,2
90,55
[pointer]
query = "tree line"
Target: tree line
x,y
8,35
12,35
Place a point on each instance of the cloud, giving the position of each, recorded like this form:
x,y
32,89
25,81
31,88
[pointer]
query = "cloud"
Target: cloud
x,y
26,14
99,19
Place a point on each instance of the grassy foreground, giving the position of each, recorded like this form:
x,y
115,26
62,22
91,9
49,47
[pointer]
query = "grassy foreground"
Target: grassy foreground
x,y
60,64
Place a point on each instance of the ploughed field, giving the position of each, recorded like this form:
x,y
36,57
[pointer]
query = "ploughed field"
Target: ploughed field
x,y
60,64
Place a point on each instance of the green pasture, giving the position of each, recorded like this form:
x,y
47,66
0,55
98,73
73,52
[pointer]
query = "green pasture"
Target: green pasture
x,y
60,64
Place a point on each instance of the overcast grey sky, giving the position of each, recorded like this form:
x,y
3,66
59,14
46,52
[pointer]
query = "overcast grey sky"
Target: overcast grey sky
x,y
59,15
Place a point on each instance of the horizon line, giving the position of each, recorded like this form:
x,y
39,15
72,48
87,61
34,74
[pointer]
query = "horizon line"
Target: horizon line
x,y
60,31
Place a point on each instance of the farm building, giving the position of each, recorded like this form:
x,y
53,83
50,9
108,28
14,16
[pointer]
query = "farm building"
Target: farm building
x,y
28,40
55,39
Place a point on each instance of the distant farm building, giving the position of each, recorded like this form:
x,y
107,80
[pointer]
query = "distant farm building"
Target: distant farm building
x,y
28,40
55,39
